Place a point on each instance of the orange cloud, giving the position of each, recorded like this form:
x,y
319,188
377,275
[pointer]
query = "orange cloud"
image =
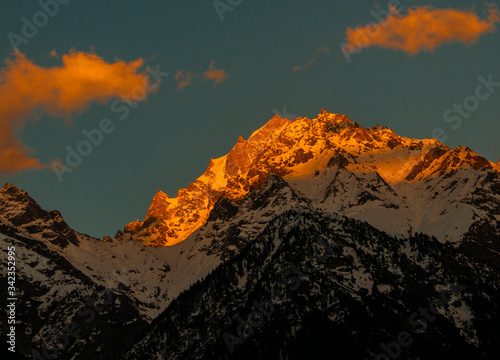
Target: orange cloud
x,y
310,62
216,75
184,80
422,29
28,90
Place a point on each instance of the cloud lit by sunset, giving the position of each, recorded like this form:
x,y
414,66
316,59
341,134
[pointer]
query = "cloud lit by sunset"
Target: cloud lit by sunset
x,y
422,29
217,75
185,78
28,91
317,54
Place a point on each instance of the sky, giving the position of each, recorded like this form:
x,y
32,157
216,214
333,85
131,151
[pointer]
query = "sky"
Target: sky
x,y
144,93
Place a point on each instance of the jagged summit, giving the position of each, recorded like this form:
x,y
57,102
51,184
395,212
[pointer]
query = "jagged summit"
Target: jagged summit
x,y
18,209
13,190
16,206
300,149
325,116
7,186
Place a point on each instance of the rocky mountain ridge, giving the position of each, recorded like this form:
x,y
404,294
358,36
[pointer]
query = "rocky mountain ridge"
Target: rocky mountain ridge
x,y
371,174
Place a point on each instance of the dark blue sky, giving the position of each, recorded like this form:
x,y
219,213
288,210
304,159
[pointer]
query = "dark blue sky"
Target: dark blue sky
x,y
168,140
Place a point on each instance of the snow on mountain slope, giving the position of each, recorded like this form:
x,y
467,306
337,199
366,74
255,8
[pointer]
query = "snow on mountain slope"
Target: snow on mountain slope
x,y
395,183
315,283
232,225
153,277
51,293
169,221
139,270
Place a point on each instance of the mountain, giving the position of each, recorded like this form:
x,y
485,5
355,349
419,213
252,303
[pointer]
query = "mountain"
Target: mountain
x,y
319,285
52,291
19,213
405,218
397,184
171,220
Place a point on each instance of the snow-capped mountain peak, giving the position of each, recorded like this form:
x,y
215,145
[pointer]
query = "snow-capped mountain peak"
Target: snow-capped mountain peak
x,y
300,151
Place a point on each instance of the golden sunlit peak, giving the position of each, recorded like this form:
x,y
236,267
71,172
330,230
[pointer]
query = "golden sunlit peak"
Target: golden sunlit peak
x,y
161,194
297,151
327,116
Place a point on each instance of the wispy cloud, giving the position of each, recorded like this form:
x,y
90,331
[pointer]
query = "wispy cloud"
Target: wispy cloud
x,y
28,91
317,54
217,75
185,78
422,29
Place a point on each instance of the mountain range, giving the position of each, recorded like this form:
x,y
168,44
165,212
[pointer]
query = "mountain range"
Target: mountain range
x,y
332,235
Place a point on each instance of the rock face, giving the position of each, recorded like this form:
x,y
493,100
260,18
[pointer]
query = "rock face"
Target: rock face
x,y
19,210
395,183
171,220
